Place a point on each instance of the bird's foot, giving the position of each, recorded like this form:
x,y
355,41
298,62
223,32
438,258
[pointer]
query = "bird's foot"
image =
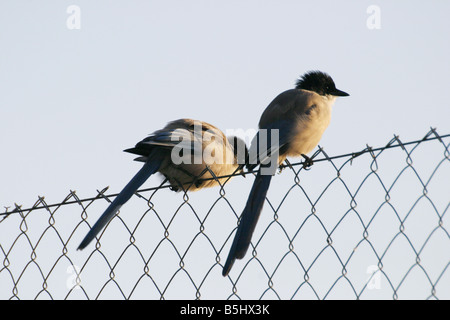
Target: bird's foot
x,y
288,164
198,183
308,162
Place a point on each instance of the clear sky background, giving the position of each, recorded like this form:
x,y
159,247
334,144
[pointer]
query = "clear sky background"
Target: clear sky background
x,y
72,99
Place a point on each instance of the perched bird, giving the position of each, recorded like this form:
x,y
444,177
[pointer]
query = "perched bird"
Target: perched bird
x,y
190,154
291,126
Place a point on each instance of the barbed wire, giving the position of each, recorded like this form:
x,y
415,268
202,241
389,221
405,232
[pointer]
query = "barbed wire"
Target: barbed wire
x,y
304,245
367,149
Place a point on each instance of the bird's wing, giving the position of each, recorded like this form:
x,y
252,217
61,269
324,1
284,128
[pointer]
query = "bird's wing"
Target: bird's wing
x,y
279,115
287,105
268,143
166,139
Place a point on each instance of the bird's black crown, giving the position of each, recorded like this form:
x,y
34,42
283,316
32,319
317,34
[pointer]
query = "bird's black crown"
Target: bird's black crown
x,y
316,81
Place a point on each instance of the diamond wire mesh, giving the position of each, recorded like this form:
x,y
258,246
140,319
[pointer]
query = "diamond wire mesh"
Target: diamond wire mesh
x,y
366,225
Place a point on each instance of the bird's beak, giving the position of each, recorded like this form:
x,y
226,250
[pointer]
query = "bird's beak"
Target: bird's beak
x,y
339,93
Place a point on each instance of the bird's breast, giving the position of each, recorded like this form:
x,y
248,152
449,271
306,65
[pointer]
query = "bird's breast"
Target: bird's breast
x,y
309,130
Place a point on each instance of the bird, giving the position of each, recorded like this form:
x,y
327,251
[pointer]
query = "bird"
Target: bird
x,y
291,126
190,154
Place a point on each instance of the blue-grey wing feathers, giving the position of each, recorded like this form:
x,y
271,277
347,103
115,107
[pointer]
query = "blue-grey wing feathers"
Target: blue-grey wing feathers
x,y
149,168
249,218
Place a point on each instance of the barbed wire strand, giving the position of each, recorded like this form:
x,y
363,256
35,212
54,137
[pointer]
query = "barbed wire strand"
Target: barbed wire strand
x,y
352,155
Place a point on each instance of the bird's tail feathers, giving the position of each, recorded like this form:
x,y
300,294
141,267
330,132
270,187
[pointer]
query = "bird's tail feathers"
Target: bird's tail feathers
x,y
149,168
249,218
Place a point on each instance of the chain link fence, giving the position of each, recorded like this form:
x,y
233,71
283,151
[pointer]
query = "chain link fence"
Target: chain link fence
x,y
366,225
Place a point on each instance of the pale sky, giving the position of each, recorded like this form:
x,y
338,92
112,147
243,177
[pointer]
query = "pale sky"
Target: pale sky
x,y
72,100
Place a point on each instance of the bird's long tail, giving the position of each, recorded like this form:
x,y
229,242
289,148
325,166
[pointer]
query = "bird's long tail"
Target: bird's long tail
x,y
249,218
149,168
